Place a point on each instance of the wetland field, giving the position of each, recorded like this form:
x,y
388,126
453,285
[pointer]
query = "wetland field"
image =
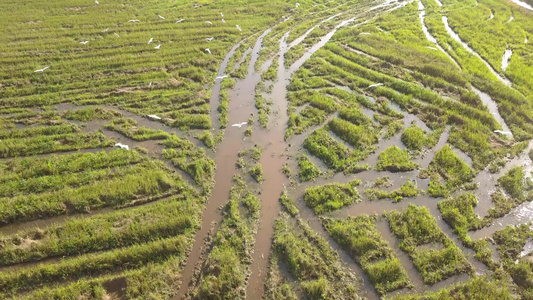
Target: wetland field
x,y
266,149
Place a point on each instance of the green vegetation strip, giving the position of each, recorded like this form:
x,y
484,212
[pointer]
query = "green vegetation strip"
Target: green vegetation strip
x,y
415,227
360,237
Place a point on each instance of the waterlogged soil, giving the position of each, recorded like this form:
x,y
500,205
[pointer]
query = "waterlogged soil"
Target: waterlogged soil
x,y
277,151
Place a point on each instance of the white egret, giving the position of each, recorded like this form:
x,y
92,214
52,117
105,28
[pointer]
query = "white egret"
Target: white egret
x,y
209,22
238,27
179,21
41,70
150,84
150,41
504,132
297,4
122,146
364,33
161,17
208,51
222,15
157,47
222,77
116,34
84,42
239,124
223,21
96,2
106,30
154,117
134,21
432,48
209,39
375,85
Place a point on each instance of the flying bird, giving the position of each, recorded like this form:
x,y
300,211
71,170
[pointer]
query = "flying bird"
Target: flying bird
x,y
161,17
134,21
106,30
238,27
239,124
208,51
209,39
209,22
150,41
179,21
84,42
157,47
41,70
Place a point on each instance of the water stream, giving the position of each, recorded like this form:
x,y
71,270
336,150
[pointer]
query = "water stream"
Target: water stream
x,y
493,109
431,38
506,57
456,37
523,4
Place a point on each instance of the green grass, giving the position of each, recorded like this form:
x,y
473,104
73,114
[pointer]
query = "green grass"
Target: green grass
x,y
306,169
407,190
360,237
327,198
448,166
395,160
128,127
224,273
309,259
415,227
192,160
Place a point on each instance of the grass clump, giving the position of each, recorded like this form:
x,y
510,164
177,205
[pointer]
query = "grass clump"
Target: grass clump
x,y
257,173
394,159
128,127
224,273
479,287
514,183
407,190
360,137
415,227
307,170
323,146
331,197
192,160
309,259
360,237
510,243
288,204
459,213
448,166
207,138
414,138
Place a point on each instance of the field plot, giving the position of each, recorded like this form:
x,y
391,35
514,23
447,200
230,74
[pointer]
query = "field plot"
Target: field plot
x,y
280,149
